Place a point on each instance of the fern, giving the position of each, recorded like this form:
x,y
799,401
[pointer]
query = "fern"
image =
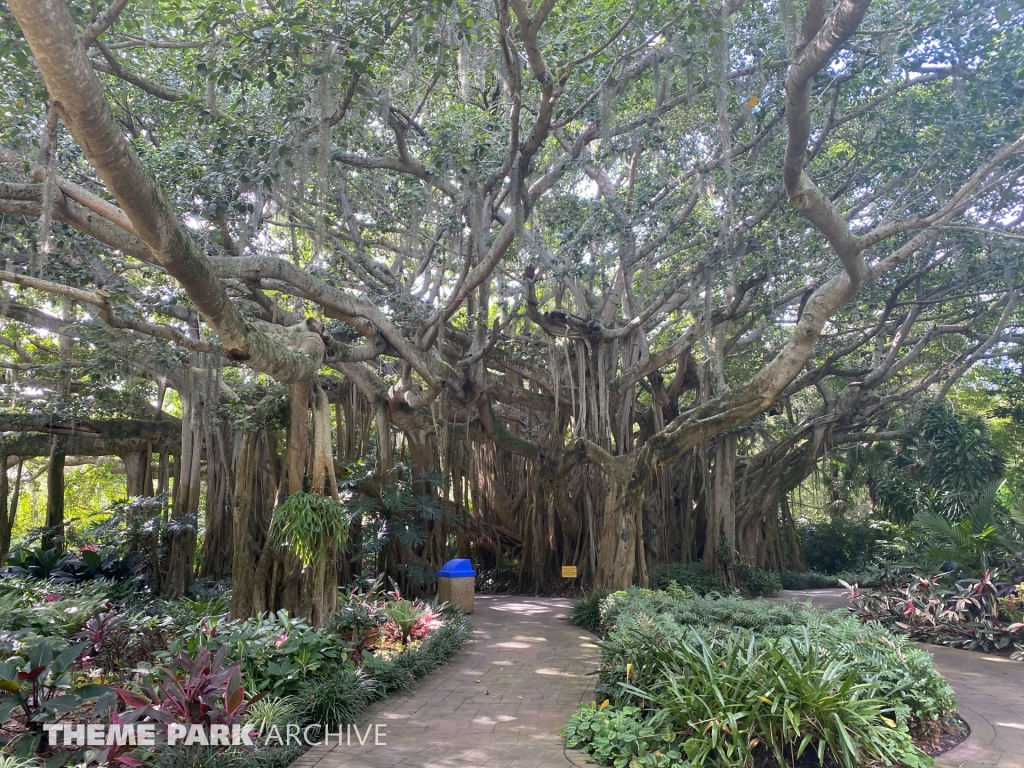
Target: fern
x,y
312,526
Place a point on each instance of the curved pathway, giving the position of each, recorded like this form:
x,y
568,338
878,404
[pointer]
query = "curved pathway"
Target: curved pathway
x,y
989,696
500,703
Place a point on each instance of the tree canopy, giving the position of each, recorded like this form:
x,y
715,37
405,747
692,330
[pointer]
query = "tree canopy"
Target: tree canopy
x,y
621,273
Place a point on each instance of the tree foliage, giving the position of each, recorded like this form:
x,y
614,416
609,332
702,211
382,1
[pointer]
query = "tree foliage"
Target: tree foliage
x,y
660,241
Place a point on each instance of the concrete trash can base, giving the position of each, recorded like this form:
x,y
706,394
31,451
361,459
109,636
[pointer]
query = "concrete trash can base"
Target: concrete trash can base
x,y
456,583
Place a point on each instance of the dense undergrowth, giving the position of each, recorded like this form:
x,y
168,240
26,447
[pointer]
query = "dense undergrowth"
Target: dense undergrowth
x,y
717,681
102,652
695,577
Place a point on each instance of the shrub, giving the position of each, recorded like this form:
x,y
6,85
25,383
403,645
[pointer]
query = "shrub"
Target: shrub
x,y
396,671
759,582
585,610
692,576
720,680
44,689
840,544
809,580
267,712
967,613
338,699
643,626
204,690
357,623
49,609
201,690
179,756
731,699
277,652
9,761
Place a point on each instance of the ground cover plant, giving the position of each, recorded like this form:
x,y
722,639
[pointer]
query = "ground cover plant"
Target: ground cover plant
x,y
724,681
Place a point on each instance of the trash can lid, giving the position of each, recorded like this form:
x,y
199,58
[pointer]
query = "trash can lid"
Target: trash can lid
x,y
457,569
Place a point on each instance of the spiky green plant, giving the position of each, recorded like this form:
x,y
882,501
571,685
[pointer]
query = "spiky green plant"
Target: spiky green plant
x,y
404,614
586,610
312,526
279,711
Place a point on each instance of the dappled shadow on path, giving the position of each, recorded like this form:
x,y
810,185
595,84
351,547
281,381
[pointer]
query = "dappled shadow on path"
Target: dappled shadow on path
x,y
499,704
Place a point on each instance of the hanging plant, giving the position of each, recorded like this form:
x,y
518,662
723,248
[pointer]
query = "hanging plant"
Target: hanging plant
x,y
312,526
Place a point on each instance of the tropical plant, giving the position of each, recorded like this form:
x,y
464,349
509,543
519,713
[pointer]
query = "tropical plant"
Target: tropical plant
x,y
691,576
201,690
731,682
976,540
948,466
44,690
38,562
119,641
276,651
11,761
758,582
311,525
404,614
268,712
338,698
585,610
622,736
395,512
963,613
841,543
731,699
807,580
641,628
357,622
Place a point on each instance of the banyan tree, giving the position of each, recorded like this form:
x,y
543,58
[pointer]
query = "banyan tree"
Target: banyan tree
x,y
604,283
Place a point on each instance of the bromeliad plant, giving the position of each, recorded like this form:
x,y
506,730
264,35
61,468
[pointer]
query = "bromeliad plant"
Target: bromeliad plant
x,y
404,614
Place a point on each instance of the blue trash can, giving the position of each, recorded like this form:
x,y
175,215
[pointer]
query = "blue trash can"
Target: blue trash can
x,y
456,583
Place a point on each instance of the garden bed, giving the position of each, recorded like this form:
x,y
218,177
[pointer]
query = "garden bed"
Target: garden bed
x,y
975,614
689,680
101,652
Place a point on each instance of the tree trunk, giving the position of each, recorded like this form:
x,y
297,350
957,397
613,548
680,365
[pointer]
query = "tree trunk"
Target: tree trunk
x,y
298,436
54,536
720,541
180,571
796,554
221,467
8,514
266,577
137,472
620,560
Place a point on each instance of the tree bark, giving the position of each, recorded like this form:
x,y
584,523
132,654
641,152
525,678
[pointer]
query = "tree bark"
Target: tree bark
x,y
8,514
54,536
620,560
138,481
720,546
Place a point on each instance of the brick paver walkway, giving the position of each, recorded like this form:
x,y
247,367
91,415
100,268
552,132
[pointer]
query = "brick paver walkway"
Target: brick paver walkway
x,y
500,703
989,696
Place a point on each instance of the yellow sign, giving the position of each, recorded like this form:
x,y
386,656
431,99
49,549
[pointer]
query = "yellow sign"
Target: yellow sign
x,y
568,571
